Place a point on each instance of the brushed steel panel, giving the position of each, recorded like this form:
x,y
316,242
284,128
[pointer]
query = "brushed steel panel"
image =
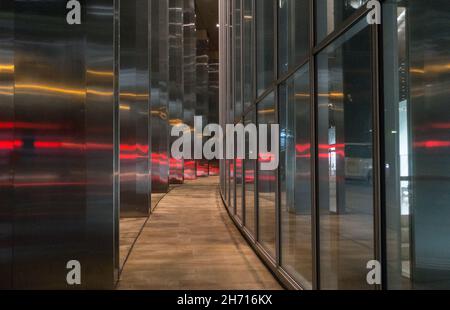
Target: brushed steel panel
x,y
202,98
213,106
101,155
159,78
176,114
189,77
134,109
6,140
428,126
64,164
50,164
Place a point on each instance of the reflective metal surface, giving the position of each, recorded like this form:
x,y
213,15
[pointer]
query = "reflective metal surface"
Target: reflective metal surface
x,y
56,115
176,114
417,137
201,107
101,135
189,76
430,135
50,165
134,110
6,139
159,57
213,106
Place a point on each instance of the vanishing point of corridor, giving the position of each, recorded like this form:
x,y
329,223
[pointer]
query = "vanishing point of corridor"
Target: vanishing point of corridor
x,y
190,243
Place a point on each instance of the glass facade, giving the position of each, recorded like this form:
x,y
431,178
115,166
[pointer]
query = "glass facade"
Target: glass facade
x,y
265,41
267,182
295,177
250,181
293,33
363,183
333,13
238,105
248,52
345,160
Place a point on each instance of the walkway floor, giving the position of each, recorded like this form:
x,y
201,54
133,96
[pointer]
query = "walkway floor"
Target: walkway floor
x,y
190,243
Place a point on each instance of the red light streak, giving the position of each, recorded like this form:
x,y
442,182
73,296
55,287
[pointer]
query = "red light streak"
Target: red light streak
x,y
432,144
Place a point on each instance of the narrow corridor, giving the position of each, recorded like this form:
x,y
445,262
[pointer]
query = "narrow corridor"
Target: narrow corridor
x,y
191,243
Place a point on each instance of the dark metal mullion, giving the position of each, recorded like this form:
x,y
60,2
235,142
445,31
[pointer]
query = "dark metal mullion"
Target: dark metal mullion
x,y
255,94
314,152
230,95
412,216
277,121
116,141
381,138
242,115
376,145
233,99
242,59
233,62
240,119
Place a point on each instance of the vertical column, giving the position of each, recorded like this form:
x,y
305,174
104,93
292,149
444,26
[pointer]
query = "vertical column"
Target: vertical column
x,y
102,205
176,114
159,78
202,107
6,139
57,104
429,153
213,106
134,109
189,76
223,88
50,159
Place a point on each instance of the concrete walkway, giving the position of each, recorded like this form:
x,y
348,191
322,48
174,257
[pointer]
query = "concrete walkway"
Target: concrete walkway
x,y
190,243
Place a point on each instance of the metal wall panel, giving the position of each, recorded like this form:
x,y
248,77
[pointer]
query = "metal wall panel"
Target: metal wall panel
x,y
428,126
6,139
176,114
134,109
202,99
101,135
213,106
64,187
50,164
159,58
189,76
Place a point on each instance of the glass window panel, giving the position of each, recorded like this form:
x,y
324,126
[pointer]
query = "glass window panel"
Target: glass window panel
x,y
222,176
332,13
232,187
250,179
265,44
230,61
266,181
417,137
346,160
248,45
295,177
227,181
293,33
239,185
237,61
